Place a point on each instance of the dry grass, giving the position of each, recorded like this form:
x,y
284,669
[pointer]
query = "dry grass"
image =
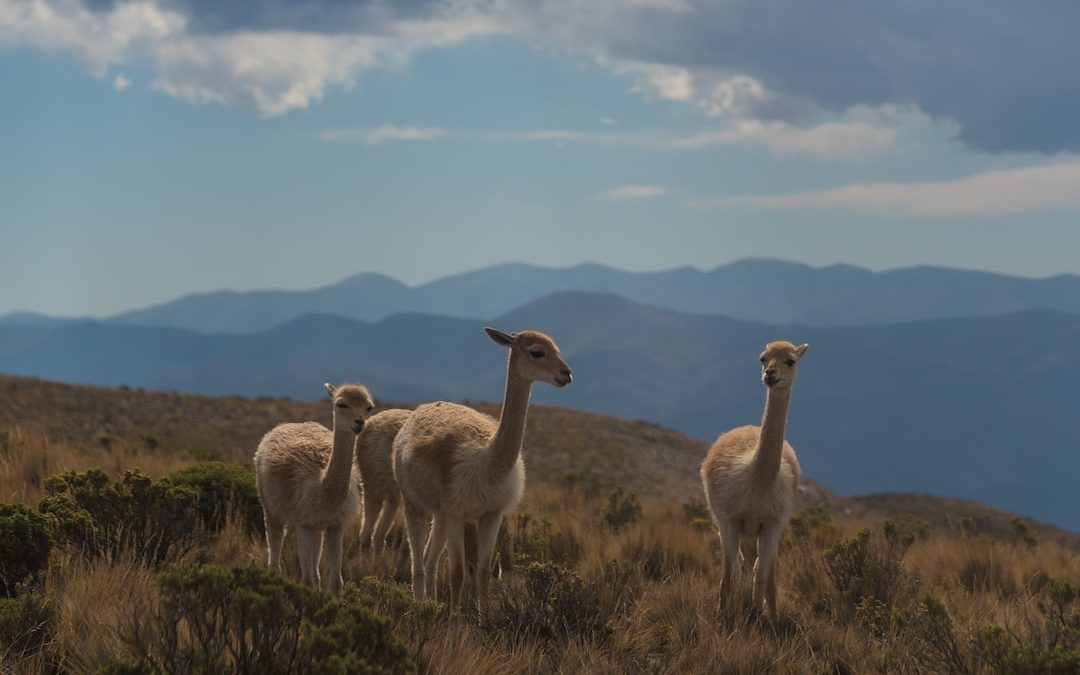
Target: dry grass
x,y
641,598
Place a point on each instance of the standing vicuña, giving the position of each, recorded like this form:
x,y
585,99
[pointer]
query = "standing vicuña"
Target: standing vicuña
x,y
458,468
374,464
306,483
751,477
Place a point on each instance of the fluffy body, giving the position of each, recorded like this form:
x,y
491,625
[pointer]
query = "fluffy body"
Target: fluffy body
x,y
460,470
306,483
751,477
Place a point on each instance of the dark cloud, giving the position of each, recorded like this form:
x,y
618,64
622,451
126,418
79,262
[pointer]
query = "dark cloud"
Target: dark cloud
x,y
1007,72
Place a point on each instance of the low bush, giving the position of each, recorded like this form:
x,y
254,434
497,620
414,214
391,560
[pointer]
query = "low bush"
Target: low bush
x,y
25,542
215,619
549,603
224,490
620,510
27,624
153,521
868,576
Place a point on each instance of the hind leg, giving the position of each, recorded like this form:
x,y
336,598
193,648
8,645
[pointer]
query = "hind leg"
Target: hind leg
x,y
432,552
335,541
416,531
275,538
382,525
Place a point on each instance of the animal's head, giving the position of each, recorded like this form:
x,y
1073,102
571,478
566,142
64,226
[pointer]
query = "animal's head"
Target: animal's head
x,y
779,363
534,356
352,405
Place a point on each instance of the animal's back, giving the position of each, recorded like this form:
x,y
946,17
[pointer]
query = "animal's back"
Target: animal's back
x,y
434,442
374,451
727,476
289,457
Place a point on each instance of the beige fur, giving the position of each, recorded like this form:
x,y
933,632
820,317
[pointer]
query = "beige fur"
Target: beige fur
x,y
373,457
306,483
751,477
460,470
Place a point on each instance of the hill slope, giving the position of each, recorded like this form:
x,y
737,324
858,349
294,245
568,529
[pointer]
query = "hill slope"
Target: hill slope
x,y
975,408
640,457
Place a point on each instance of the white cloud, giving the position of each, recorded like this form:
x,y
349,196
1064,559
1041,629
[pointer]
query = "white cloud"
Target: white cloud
x,y
831,140
847,140
120,83
1048,187
386,132
272,71
634,192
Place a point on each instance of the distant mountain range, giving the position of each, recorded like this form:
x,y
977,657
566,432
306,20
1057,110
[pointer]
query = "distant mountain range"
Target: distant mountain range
x,y
978,407
764,291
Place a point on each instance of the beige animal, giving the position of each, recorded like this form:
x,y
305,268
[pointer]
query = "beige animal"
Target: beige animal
x,y
459,469
373,455
306,483
751,477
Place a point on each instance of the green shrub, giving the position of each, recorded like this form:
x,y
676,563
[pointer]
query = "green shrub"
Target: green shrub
x,y
1051,643
153,521
550,604
620,510
223,490
215,619
27,624
867,574
25,542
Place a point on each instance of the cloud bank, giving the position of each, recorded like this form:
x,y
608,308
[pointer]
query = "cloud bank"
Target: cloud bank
x,y
1003,72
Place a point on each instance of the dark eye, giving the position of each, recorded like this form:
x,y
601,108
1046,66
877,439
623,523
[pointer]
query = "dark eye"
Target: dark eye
x,y
343,404
790,362
370,408
536,354
762,359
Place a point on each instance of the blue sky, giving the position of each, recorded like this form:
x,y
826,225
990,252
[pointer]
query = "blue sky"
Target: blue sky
x,y
153,149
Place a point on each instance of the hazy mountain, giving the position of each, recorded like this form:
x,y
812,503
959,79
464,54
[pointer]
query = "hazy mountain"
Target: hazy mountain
x,y
980,408
765,291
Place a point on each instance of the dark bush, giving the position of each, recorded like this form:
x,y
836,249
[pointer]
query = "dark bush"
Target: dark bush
x,y
25,542
27,624
214,619
1051,643
620,510
223,490
153,521
868,576
551,603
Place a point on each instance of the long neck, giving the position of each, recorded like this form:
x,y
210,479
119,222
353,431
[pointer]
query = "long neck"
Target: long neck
x,y
338,474
506,444
770,448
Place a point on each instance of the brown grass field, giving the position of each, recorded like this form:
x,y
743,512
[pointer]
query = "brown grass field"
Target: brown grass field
x,y
882,583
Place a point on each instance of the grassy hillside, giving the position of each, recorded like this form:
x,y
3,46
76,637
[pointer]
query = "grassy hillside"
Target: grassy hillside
x,y
594,580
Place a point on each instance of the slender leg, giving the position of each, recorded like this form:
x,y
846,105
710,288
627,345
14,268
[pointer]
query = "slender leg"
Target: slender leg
x,y
432,552
729,542
308,545
454,534
487,534
768,545
402,557
335,538
416,530
275,537
371,510
382,525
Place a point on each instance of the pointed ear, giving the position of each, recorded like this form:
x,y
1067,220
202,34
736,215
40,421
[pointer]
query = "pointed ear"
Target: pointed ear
x,y
329,389
801,349
504,339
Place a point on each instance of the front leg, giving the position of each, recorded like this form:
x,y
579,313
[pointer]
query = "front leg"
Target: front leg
x,y
768,547
334,543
